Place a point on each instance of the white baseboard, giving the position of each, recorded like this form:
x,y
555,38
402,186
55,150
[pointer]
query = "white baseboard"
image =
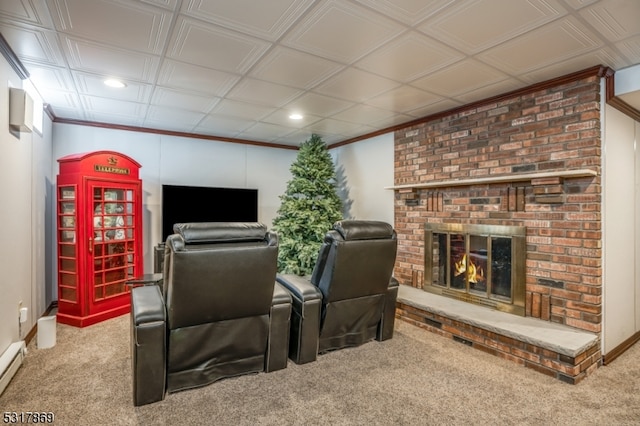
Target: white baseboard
x,y
10,362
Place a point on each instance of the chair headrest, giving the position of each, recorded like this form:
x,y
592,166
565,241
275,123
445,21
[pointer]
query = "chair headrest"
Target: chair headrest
x,y
363,229
206,232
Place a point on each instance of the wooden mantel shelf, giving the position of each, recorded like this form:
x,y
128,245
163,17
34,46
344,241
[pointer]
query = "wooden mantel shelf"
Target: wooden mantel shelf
x,y
498,179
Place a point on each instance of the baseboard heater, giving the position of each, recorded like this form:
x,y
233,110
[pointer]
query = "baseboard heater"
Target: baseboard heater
x,y
10,361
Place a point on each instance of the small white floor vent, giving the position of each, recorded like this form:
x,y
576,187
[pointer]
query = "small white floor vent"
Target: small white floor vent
x,y
10,361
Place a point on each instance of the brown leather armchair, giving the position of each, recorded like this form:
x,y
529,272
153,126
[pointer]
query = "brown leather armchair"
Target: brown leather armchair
x,y
219,312
351,295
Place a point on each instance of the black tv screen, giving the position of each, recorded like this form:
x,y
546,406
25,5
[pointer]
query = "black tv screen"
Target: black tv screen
x,y
182,204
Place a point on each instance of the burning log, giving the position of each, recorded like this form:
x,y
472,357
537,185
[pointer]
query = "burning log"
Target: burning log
x,y
475,274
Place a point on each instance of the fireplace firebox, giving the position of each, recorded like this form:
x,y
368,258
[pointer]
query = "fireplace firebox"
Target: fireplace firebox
x,y
480,264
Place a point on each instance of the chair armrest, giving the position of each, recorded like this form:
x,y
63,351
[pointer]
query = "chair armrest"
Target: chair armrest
x,y
279,326
148,344
280,295
393,282
305,317
385,328
300,288
146,279
147,305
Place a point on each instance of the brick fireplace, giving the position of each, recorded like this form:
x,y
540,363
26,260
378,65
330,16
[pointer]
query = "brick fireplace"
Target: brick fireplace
x,y
528,159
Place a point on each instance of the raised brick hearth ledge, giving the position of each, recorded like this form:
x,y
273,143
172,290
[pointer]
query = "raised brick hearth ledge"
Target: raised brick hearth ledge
x,y
559,351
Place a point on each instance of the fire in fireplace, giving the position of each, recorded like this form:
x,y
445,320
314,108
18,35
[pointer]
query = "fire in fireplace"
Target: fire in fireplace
x,y
481,264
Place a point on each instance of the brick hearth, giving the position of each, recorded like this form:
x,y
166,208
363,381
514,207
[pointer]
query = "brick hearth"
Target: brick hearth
x,y
558,351
530,158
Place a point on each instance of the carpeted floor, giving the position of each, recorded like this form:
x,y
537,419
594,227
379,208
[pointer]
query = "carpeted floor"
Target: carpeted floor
x,y
417,378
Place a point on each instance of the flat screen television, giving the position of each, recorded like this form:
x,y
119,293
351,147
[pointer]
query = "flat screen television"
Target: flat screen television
x,y
182,203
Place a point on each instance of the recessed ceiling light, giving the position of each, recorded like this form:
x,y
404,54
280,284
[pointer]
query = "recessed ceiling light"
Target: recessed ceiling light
x,y
296,116
112,82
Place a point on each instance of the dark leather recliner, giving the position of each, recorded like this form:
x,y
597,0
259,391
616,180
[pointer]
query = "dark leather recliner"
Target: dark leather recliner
x,y
219,313
351,295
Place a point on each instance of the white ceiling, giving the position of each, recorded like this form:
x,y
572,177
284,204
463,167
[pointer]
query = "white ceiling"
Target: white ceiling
x,y
238,68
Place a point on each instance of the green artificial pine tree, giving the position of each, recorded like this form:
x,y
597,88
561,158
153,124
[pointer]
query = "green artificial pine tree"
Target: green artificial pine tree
x,y
309,208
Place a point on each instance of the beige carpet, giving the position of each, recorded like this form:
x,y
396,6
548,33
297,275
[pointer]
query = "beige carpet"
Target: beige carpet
x,y
417,378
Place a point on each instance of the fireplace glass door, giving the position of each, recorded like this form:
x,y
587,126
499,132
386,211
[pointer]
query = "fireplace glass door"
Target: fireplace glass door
x,y
477,263
501,267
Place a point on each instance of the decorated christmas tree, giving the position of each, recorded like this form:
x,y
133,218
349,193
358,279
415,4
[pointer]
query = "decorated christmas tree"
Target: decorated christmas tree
x,y
309,208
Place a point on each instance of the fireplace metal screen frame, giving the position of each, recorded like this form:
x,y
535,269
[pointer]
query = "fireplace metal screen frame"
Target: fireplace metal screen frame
x,y
517,234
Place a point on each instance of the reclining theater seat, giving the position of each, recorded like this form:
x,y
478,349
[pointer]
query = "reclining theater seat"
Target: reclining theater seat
x,y
351,296
219,314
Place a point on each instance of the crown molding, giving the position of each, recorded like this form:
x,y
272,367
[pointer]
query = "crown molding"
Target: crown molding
x,y
13,59
616,101
598,70
167,132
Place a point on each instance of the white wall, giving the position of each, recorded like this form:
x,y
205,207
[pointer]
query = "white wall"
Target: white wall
x,y
24,181
43,215
621,230
364,169
627,80
183,161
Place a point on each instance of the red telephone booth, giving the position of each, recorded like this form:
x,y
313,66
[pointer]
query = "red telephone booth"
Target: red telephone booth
x,y
99,229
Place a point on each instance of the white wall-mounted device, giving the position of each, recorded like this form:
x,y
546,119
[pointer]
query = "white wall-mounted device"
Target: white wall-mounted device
x,y
20,110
